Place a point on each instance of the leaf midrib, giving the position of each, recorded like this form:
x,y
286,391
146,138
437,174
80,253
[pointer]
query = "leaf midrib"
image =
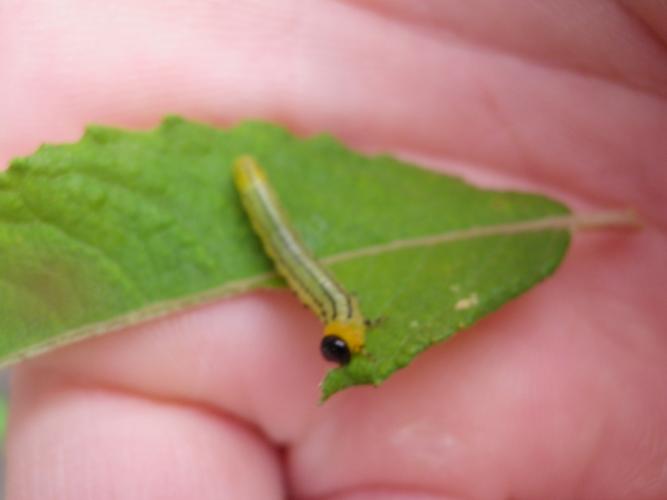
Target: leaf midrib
x,y
159,309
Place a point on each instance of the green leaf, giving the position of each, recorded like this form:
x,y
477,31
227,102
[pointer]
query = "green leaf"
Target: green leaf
x,y
125,226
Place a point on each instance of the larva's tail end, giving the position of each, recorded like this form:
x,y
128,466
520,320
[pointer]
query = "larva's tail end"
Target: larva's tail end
x,y
247,172
244,161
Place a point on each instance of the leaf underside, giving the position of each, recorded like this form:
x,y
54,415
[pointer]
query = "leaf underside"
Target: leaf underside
x,y
125,226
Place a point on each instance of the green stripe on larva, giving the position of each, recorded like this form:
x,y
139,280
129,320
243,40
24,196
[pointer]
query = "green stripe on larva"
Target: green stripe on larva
x,y
345,327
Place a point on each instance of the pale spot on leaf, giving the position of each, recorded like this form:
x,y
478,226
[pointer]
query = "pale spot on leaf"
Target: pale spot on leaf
x,y
467,302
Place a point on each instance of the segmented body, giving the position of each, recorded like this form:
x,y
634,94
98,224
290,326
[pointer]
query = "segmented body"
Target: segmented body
x,y
313,283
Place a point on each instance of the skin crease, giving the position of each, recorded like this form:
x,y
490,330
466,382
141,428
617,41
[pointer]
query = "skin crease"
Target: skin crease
x,y
559,395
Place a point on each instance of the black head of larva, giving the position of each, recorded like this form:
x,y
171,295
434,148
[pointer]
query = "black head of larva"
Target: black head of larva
x,y
335,349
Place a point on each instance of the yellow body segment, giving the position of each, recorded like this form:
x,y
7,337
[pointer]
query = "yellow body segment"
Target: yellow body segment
x,y
352,332
312,282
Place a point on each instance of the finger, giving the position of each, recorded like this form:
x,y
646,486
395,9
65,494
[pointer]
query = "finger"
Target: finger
x,y
247,357
373,80
70,439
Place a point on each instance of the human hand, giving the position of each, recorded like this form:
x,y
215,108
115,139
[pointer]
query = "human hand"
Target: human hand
x,y
558,395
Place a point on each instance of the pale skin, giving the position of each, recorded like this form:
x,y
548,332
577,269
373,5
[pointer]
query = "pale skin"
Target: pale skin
x,y
561,394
